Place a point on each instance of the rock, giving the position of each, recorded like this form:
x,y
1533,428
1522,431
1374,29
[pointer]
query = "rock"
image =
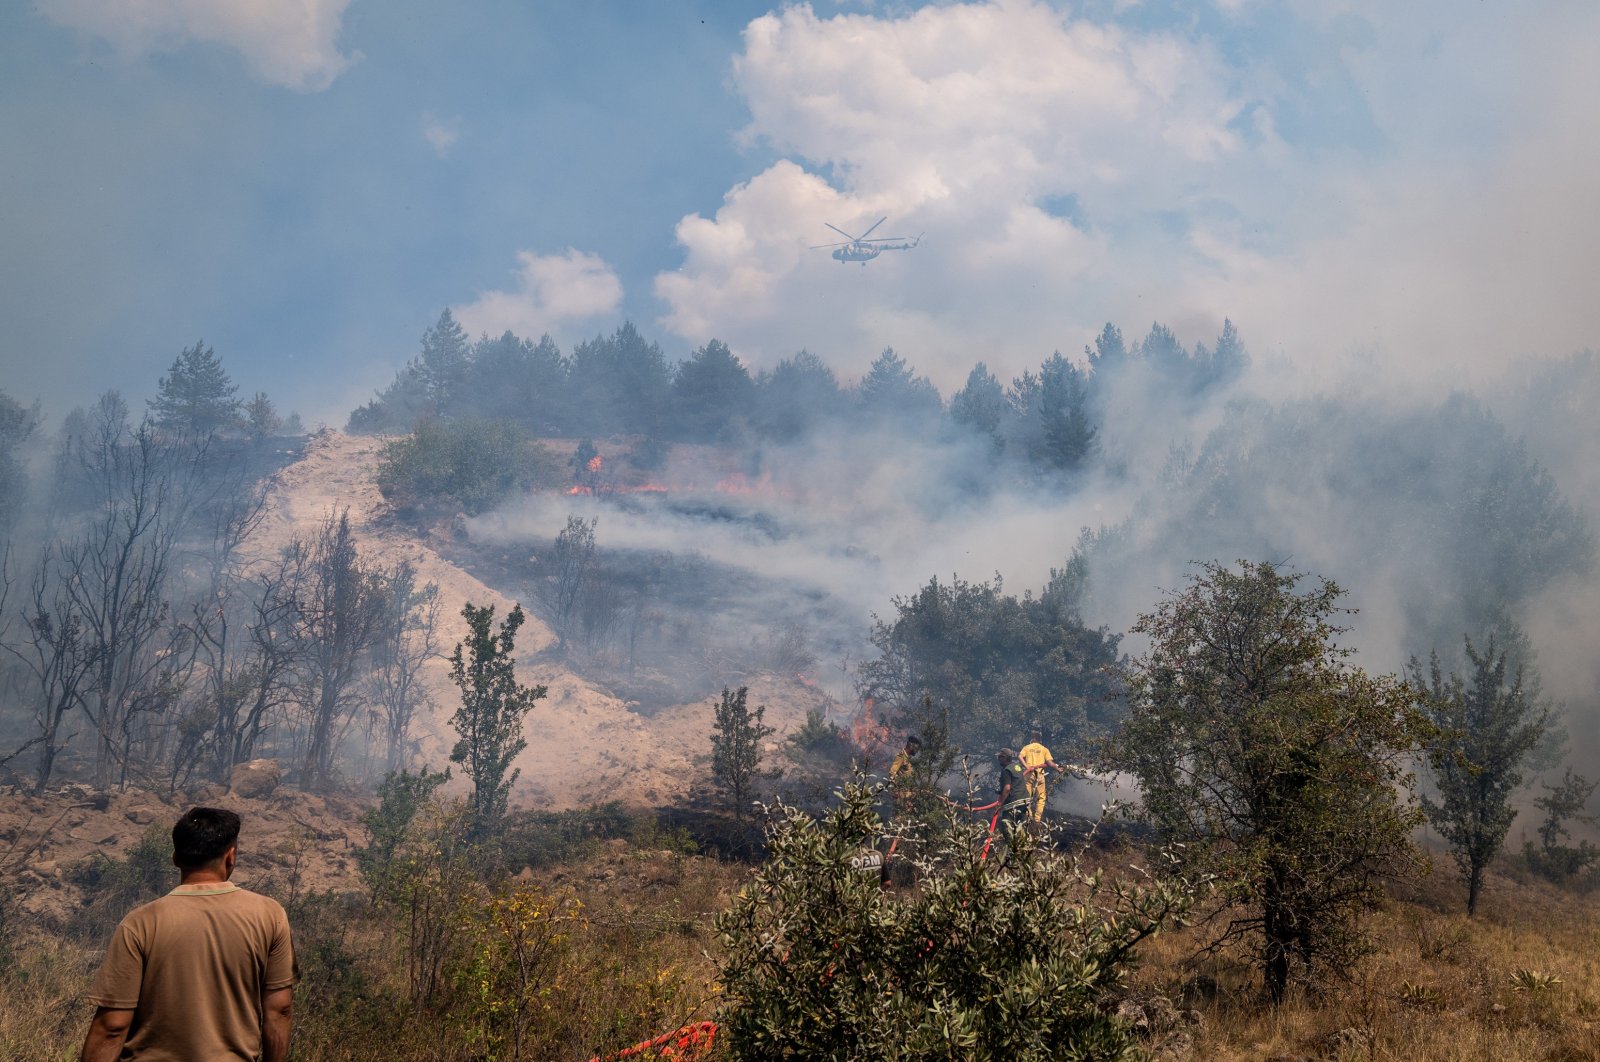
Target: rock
x,y
140,816
207,793
1344,1041
254,779
1178,1046
105,838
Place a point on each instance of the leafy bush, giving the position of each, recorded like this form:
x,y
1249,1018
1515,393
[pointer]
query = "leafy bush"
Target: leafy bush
x,y
1000,663
545,838
469,464
1562,803
400,796
1279,767
119,885
987,959
819,737
508,977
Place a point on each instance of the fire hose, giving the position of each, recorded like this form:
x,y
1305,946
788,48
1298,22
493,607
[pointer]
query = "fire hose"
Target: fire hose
x,y
681,1045
969,807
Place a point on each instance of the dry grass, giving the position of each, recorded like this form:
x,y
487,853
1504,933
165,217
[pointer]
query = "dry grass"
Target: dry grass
x,y
1437,985
42,1015
634,965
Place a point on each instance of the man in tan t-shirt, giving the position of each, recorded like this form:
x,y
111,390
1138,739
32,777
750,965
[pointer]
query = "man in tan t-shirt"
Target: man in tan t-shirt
x,y
205,973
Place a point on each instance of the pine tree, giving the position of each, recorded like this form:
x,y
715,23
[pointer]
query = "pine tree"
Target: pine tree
x,y
712,391
1066,431
892,389
981,405
196,397
736,747
442,366
261,416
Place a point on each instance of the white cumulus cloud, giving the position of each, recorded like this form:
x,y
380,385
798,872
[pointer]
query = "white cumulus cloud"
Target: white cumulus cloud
x,y
551,290
1068,172
974,123
293,43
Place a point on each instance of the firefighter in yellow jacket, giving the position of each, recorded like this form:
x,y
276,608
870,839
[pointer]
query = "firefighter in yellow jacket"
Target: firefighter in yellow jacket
x,y
903,776
1035,758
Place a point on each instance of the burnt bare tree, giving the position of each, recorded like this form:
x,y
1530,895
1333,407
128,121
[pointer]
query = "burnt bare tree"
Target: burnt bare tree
x,y
407,639
58,660
338,617
599,611
568,577
115,569
247,645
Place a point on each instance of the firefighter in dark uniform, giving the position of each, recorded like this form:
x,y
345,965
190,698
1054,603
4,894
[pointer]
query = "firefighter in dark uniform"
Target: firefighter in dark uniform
x,y
1013,785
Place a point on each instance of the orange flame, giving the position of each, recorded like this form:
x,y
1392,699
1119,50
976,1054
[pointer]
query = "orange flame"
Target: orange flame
x,y
643,488
596,463
871,736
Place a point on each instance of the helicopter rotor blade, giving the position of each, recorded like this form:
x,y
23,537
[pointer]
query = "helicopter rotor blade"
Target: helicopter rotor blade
x,y
840,231
823,246
875,224
884,239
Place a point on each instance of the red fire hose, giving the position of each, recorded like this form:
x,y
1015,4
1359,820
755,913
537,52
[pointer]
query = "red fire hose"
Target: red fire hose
x,y
967,807
681,1045
990,839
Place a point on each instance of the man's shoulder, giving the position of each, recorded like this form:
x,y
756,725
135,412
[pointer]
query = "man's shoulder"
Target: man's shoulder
x,y
233,898
260,900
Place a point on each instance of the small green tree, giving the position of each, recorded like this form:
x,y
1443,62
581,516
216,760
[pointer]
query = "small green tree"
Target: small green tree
x,y
1489,722
736,747
465,464
493,704
400,796
1562,803
1275,764
983,961
261,417
196,396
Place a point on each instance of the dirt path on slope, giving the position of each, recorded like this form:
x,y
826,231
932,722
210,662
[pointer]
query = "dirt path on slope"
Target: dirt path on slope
x,y
584,745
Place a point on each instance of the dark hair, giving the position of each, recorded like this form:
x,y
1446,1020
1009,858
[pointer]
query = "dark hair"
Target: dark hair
x,y
913,740
202,836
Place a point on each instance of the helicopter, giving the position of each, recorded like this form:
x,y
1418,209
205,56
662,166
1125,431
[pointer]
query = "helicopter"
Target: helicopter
x,y
861,249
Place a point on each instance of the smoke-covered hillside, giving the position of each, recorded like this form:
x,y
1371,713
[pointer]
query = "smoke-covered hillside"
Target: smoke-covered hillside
x,y
812,504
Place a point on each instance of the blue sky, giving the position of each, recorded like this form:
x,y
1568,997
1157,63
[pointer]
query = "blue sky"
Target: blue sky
x,y
306,186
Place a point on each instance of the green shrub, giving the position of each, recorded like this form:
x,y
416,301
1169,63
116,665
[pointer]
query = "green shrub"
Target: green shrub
x,y
469,464
997,958
819,737
1562,803
113,887
540,839
400,796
